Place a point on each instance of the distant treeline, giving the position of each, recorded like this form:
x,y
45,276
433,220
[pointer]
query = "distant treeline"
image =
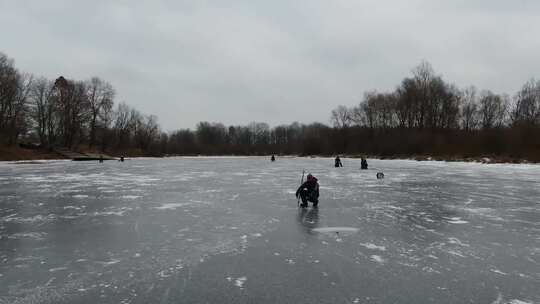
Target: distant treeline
x,y
424,115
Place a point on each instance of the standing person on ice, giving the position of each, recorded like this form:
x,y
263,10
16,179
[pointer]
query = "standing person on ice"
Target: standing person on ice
x,y
309,191
364,164
337,162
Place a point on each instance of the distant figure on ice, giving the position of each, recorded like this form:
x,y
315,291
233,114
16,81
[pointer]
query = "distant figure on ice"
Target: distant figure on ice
x,y
380,175
121,159
273,158
363,164
337,162
101,158
309,191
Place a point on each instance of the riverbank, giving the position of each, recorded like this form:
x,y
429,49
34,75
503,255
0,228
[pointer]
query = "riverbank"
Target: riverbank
x,y
486,159
20,154
14,153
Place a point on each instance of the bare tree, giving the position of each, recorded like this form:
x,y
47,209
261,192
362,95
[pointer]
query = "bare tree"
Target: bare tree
x,y
423,77
100,95
14,90
358,116
72,107
121,124
42,101
492,109
341,117
260,133
527,108
379,109
146,132
469,109
9,78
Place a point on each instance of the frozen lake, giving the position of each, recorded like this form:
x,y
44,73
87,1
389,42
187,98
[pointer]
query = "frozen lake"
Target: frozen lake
x,y
228,230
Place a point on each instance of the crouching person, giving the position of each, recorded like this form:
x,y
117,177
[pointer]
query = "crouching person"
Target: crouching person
x,y
309,191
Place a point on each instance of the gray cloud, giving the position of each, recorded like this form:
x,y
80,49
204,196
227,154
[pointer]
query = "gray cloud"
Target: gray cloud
x,y
274,61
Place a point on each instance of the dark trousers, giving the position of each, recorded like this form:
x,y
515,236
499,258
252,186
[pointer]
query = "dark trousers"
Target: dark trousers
x,y
306,196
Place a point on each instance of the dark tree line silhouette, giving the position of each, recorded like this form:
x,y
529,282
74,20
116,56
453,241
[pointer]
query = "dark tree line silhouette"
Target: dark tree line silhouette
x,y
424,115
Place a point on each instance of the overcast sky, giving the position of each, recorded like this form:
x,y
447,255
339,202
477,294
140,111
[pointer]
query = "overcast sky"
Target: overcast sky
x,y
276,61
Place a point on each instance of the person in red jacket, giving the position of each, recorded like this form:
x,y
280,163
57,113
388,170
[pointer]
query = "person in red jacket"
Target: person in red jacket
x,y
309,191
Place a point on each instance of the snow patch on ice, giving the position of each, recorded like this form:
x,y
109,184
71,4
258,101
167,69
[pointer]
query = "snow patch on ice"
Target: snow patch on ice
x,y
80,196
109,263
373,246
164,273
455,220
131,197
495,270
171,206
117,212
239,282
72,207
498,300
453,240
456,253
30,235
378,259
28,220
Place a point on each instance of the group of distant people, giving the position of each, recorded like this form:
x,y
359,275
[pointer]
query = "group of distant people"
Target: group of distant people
x,y
309,190
363,163
337,162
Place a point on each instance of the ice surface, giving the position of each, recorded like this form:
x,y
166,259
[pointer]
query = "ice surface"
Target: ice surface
x,y
335,229
170,231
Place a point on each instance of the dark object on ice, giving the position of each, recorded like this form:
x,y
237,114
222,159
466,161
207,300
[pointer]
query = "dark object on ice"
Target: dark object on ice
x,y
121,159
273,158
380,175
309,191
301,183
363,164
337,162
101,158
